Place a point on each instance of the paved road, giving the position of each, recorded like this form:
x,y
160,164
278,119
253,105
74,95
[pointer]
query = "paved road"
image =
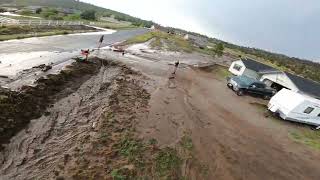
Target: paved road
x,y
67,42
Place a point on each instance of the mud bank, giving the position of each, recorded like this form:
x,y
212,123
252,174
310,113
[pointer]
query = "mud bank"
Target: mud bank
x,y
18,108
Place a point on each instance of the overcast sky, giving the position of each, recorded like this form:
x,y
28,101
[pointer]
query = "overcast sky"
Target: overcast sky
x,y
291,27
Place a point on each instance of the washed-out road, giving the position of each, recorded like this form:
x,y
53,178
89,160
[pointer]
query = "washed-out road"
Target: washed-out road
x,y
63,43
17,56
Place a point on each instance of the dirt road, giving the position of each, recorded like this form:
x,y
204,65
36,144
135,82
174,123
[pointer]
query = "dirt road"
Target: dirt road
x,y
232,138
225,131
89,134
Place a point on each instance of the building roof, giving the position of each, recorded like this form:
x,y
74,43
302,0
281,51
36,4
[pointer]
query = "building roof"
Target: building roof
x,y
305,85
257,66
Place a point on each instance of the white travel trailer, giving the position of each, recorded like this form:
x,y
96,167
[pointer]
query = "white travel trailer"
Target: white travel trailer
x,y
293,106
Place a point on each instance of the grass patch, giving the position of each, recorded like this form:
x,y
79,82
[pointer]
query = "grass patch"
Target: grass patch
x,y
153,141
309,137
118,26
133,150
140,39
174,42
117,174
222,72
219,71
41,34
168,164
186,143
156,43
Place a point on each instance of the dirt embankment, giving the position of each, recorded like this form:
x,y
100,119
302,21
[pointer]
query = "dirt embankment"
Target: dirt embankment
x,y
18,108
90,134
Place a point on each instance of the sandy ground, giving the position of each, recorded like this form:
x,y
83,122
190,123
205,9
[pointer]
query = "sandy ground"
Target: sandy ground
x,y
232,139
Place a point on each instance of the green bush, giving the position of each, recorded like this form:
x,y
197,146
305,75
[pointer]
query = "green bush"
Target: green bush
x,y
38,11
26,12
46,13
88,15
72,17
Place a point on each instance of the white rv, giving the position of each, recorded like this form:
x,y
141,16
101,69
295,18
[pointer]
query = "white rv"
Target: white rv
x,y
293,106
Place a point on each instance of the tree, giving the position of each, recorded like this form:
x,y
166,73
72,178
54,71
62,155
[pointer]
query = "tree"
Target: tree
x,y
49,12
88,15
219,49
38,11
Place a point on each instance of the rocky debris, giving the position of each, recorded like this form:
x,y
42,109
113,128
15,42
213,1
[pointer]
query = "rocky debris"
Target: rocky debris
x,y
43,67
46,68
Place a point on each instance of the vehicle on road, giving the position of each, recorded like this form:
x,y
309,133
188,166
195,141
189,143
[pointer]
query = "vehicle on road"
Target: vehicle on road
x,y
293,106
245,85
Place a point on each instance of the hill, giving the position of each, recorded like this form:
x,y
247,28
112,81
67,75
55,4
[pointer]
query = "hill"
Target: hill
x,y
76,4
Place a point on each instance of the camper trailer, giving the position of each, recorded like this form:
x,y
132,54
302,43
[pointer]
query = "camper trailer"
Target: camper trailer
x,y
293,106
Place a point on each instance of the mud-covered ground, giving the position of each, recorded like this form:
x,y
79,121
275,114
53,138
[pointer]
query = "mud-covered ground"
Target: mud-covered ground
x,y
73,134
131,120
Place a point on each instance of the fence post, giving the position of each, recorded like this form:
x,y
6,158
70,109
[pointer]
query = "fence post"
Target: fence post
x,y
29,22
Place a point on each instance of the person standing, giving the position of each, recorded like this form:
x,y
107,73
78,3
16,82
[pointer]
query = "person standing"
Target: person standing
x,y
176,64
101,41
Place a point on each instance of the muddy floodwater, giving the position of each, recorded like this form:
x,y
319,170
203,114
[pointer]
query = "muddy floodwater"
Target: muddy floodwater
x,y
57,51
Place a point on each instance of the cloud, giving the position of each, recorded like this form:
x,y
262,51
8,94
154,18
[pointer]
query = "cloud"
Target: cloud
x,y
285,26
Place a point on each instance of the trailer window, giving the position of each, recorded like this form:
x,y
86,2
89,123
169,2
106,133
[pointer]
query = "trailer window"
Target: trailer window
x,y
318,115
237,67
308,110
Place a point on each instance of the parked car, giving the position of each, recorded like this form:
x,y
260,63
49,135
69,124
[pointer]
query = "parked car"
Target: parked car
x,y
293,106
246,85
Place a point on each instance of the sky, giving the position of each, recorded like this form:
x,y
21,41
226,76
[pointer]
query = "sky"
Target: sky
x,y
291,27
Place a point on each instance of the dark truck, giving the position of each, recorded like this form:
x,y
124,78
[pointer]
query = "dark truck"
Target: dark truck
x,y
245,85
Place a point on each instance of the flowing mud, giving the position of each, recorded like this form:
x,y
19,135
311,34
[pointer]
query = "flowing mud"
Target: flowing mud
x,y
19,107
72,137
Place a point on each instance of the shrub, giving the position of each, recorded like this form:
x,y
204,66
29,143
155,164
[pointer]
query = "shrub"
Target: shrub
x,y
88,15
